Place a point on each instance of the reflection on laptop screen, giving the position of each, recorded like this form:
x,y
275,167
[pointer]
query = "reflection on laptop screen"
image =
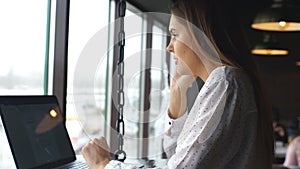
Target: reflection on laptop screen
x,y
36,134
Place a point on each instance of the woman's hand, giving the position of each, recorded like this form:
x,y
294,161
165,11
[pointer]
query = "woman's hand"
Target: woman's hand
x,y
178,98
96,153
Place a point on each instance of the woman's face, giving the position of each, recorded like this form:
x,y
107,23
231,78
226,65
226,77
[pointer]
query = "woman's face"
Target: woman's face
x,y
187,62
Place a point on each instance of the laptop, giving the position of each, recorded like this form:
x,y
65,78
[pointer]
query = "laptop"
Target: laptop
x,y
36,133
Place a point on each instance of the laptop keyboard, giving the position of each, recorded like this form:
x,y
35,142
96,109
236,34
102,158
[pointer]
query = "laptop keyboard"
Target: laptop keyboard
x,y
76,165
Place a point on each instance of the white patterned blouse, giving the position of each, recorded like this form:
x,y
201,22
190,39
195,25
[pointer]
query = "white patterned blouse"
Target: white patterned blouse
x,y
220,131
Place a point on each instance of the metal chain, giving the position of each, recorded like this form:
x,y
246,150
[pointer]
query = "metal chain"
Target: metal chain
x,y
120,153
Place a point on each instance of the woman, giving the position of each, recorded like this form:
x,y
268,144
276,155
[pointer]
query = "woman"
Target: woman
x,y
229,126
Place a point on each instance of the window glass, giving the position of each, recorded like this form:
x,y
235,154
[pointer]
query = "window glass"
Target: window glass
x,y
159,91
133,59
23,45
87,70
25,40
134,86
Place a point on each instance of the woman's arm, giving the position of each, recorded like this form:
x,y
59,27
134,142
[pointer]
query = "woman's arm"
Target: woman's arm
x,y
177,112
170,137
178,94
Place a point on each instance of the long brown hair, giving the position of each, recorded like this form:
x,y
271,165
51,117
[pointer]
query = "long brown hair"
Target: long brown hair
x,y
218,20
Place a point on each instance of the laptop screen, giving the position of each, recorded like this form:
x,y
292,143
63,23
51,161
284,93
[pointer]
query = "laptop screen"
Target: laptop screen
x,y
36,131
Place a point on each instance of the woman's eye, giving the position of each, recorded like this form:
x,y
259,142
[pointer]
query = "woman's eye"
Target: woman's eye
x,y
174,35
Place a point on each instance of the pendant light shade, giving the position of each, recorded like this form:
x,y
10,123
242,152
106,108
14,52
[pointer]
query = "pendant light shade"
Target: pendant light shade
x,y
283,15
269,46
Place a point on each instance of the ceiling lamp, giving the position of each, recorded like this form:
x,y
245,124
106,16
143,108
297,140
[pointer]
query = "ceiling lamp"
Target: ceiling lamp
x,y
269,46
283,15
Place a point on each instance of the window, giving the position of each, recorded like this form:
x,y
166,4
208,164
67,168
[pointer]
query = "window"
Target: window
x,y
24,44
133,61
136,66
159,91
26,41
88,55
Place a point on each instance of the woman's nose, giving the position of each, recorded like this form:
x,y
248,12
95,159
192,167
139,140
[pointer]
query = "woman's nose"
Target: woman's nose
x,y
170,47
